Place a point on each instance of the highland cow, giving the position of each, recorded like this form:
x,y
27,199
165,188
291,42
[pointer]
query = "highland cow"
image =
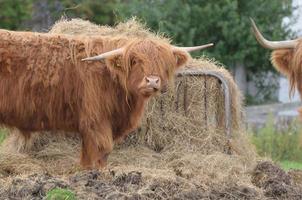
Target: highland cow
x,y
48,83
286,58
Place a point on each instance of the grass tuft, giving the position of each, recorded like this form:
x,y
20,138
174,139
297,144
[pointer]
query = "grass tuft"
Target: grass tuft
x,y
282,145
2,135
287,165
60,194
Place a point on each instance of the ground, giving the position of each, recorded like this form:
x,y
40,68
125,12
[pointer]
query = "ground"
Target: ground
x,y
269,181
202,170
276,184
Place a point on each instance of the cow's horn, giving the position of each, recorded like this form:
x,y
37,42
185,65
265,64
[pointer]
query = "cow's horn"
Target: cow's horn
x,y
196,48
289,44
105,55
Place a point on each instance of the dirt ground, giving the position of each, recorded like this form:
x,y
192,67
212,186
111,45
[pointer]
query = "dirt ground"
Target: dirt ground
x,y
269,182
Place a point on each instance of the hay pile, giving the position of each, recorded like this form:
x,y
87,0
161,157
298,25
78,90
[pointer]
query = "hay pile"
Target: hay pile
x,y
177,153
193,112
130,28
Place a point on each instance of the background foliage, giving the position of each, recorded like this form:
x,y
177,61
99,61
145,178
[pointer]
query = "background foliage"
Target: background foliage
x,y
224,22
279,144
13,13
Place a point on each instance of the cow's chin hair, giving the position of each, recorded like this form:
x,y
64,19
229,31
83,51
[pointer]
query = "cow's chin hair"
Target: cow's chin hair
x,y
148,92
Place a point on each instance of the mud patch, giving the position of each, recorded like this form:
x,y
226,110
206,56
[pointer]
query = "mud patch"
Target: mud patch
x,y
130,186
275,182
34,186
296,175
268,179
91,185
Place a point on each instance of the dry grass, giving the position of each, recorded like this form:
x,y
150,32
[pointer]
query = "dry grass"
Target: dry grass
x,y
130,28
182,137
45,153
193,112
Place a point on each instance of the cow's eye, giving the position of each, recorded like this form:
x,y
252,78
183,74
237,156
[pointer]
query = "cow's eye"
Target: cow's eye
x,y
134,61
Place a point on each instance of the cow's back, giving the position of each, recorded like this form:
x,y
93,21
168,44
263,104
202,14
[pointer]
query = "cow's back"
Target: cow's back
x,y
40,84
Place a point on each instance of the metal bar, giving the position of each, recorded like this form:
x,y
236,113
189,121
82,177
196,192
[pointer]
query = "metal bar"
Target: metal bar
x,y
205,102
227,98
185,97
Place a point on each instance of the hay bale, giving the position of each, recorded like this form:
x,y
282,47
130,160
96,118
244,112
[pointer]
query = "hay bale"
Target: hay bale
x,y
193,113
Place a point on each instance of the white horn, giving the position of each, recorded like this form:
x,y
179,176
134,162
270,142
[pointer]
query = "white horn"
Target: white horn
x,y
196,48
289,44
105,55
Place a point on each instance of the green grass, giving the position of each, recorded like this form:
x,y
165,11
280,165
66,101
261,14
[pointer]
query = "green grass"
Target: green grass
x,y
60,194
284,146
279,144
2,135
287,165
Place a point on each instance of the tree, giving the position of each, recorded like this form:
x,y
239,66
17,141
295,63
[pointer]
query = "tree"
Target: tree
x,y
224,22
46,12
100,12
13,13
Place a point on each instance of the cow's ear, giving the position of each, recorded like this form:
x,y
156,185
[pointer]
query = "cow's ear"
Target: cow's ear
x,y
181,57
281,60
115,64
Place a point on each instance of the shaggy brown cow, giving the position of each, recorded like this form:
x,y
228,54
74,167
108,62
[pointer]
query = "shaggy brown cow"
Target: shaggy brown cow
x,y
45,84
286,58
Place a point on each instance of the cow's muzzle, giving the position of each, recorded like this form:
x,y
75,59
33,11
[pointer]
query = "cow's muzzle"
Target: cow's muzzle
x,y
153,82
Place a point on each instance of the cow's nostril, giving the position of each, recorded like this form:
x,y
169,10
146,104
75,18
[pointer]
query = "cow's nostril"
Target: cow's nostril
x,y
152,80
147,79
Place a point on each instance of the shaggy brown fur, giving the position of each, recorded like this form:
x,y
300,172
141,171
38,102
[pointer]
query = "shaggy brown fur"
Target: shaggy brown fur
x,y
44,85
289,63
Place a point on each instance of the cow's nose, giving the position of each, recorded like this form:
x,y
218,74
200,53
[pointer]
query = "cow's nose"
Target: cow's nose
x,y
153,81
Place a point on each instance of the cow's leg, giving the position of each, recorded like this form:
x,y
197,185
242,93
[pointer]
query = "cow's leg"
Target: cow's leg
x,y
96,146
